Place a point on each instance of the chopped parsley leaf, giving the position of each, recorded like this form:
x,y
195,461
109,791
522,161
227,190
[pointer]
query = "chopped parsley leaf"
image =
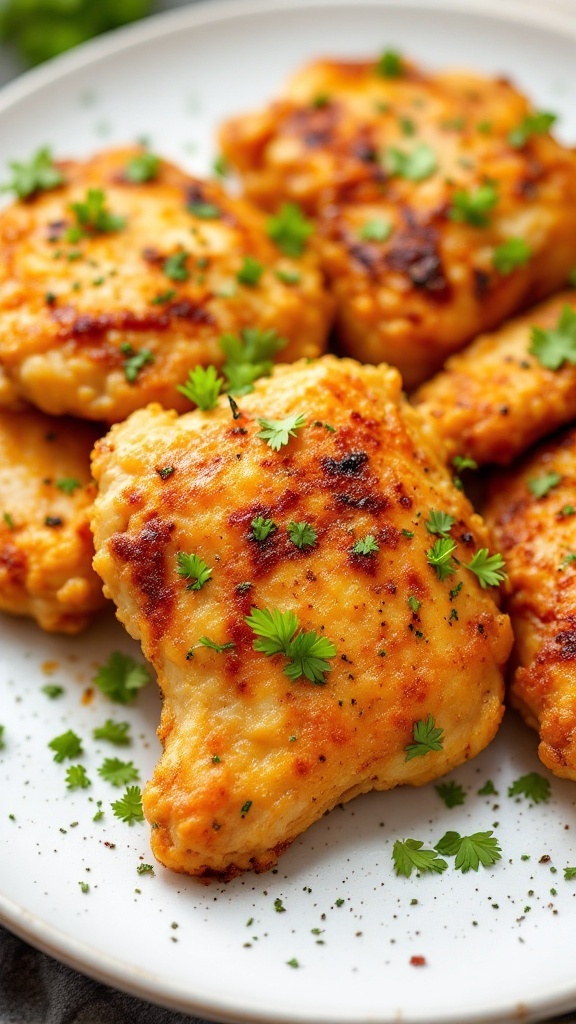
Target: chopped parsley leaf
x,y
556,346
426,738
38,175
365,546
470,851
262,528
453,594
84,887
538,123
117,772
2,740
289,229
451,793
193,568
288,276
52,690
121,677
390,65
250,272
76,777
510,255
461,462
540,486
302,534
205,641
202,387
204,211
113,732
488,569
533,786
409,855
68,485
175,266
135,361
142,168
68,744
6,516
277,433
129,807
567,560
145,869
245,808
248,357
376,230
93,217
163,297
278,633
473,207
488,789
567,510
414,604
417,165
569,874
439,522
220,166
440,557
407,533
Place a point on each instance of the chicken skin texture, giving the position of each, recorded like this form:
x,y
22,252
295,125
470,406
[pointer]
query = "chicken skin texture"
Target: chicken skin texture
x,y
537,538
97,321
252,756
46,546
417,182
495,399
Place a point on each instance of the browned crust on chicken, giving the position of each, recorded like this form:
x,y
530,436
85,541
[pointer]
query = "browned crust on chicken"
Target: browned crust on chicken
x,y
46,546
495,399
537,537
72,312
252,758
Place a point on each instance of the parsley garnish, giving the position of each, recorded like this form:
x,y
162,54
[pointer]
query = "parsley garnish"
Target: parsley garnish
x,y
511,254
245,808
205,641
92,217
567,560
135,361
2,740
417,165
84,887
376,230
68,744
390,65
567,510
488,569
409,855
365,546
202,387
76,777
426,738
533,124
292,963
118,773
250,272
145,869
414,604
540,486
440,557
163,297
302,534
175,266
470,851
165,471
8,519
193,568
439,522
220,166
129,807
277,433
488,789
114,732
289,229
38,175
204,211
451,793
68,485
262,528
569,874
461,462
142,168
473,207
52,690
557,346
121,678
248,357
533,786
279,906
453,594
278,633
288,276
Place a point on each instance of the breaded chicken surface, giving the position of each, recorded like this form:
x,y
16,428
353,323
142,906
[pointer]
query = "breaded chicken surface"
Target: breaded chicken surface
x,y
111,290
324,536
537,537
496,398
46,546
418,181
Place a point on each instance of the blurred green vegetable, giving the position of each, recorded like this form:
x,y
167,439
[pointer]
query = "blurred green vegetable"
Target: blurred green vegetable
x,y
40,29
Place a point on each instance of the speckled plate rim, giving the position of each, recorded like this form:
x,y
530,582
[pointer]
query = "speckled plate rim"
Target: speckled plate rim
x,y
556,15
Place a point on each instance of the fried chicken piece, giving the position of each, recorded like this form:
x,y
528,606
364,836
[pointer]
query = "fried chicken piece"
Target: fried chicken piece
x,y
496,398
537,537
200,523
106,307
418,181
46,546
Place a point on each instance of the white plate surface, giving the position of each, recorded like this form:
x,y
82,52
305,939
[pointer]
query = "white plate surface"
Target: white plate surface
x,y
169,938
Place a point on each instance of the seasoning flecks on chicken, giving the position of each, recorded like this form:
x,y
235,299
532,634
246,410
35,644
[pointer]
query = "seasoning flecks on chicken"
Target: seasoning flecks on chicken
x,y
205,521
111,290
496,398
532,514
46,546
444,204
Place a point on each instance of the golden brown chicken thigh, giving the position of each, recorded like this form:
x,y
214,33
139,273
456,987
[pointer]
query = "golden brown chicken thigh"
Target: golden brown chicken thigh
x,y
497,397
112,289
46,546
443,204
532,515
276,562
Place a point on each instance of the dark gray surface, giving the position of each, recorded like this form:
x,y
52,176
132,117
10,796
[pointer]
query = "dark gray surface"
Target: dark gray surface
x,y
34,988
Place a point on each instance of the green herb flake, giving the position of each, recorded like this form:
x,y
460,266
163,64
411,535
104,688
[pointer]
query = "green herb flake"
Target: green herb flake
x,y
473,207
249,357
202,387
93,217
205,641
488,789
68,485
414,604
277,433
556,346
407,533
567,560
461,462
129,807
250,272
510,255
426,737
409,855
262,528
289,277
290,230
175,266
533,786
567,510
293,962
39,174
121,677
451,793
540,486
417,165
538,123
481,848
117,772
390,65
67,745
488,569
192,567
279,906
204,211
279,633
145,869
76,777
163,297
220,166
134,362
376,230
439,522
302,534
113,732
8,519
440,557
142,168
84,887
365,546
569,874
245,808
52,690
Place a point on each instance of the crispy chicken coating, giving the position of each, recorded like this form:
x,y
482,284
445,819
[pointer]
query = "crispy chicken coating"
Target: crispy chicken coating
x,y
106,307
536,533
496,398
418,181
46,546
201,523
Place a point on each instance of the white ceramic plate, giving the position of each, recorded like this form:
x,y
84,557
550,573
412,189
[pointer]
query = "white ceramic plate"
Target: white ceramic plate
x,y
498,945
